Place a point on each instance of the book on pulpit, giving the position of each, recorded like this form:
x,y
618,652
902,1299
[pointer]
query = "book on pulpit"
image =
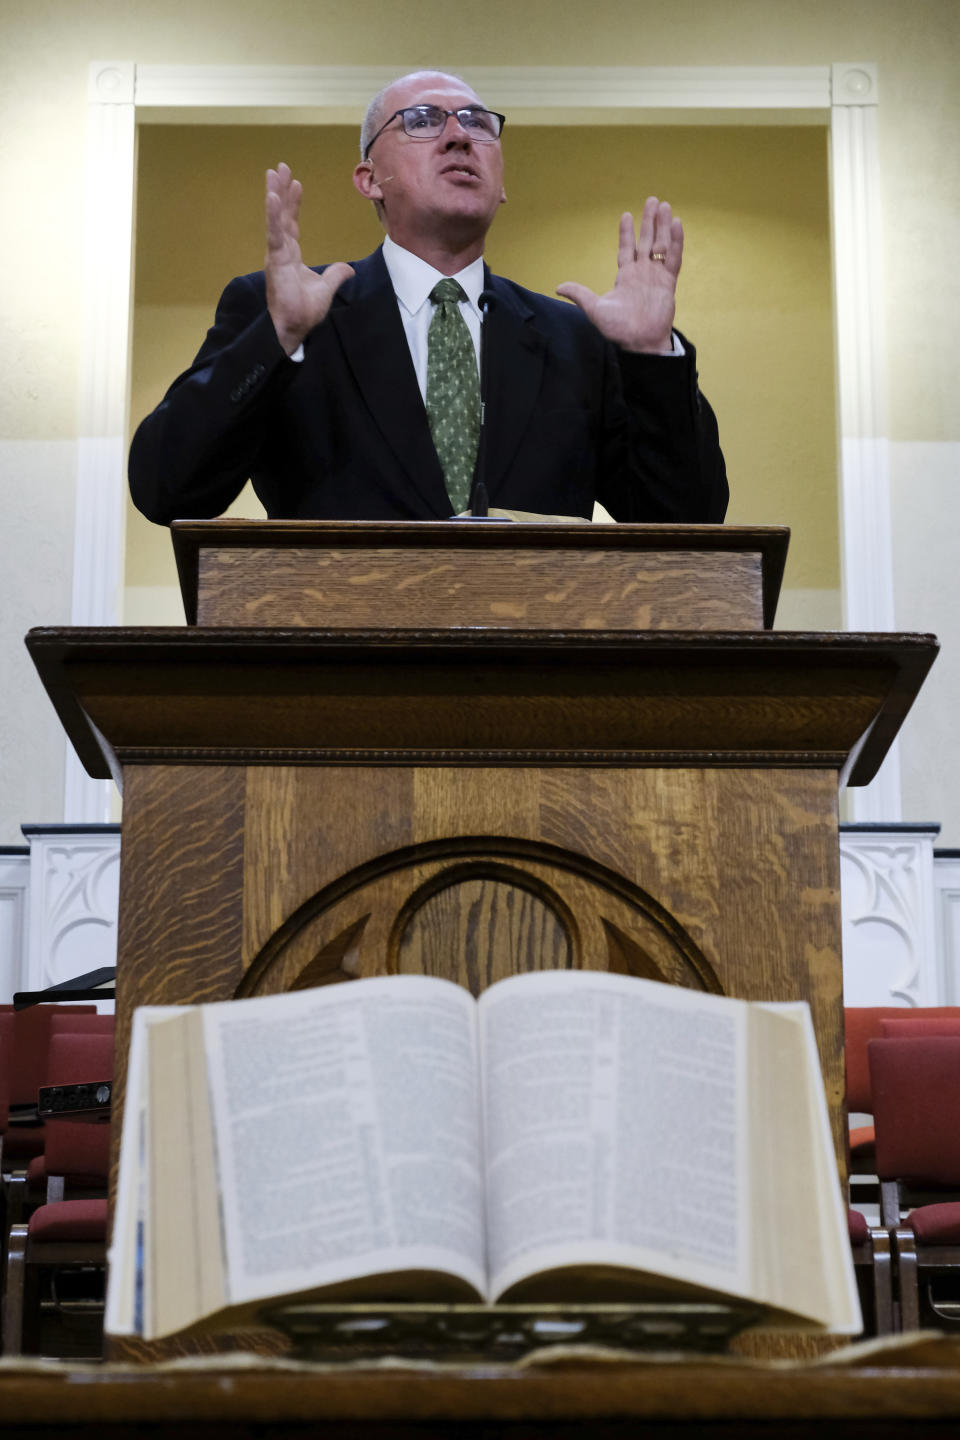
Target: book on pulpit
x,y
571,1136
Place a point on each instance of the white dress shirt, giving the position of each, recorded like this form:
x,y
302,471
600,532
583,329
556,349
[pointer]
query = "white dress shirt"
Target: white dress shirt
x,y
412,280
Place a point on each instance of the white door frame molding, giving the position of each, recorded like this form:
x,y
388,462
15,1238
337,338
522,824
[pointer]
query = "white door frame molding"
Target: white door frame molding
x,y
843,97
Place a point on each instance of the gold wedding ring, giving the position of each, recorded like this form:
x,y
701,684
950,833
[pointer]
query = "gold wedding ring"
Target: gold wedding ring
x,y
659,256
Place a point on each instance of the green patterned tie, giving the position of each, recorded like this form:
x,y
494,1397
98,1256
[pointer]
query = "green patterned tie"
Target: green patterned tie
x,y
453,392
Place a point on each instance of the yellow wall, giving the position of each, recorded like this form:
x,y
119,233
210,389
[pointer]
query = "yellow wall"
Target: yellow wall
x,y
46,48
48,44
754,296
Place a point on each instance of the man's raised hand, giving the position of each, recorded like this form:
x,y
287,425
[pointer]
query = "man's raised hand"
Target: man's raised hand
x,y
637,314
297,297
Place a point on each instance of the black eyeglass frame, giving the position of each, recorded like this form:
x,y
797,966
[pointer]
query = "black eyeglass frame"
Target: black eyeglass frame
x,y
464,110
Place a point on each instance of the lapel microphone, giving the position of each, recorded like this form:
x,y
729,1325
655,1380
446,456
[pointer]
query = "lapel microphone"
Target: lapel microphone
x,y
479,501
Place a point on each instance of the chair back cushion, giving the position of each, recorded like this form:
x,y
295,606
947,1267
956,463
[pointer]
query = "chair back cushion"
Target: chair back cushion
x,y
921,1025
6,1047
73,1147
31,1037
81,1022
916,1108
863,1023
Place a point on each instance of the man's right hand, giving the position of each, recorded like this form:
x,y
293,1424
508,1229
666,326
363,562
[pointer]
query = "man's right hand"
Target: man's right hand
x,y
297,297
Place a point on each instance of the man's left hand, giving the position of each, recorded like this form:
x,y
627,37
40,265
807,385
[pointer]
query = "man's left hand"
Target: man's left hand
x,y
637,314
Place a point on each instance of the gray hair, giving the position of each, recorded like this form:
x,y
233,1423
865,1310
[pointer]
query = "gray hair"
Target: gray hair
x,y
371,120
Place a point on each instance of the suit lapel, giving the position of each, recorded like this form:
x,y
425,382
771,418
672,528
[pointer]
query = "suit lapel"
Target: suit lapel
x,y
515,355
366,318
367,322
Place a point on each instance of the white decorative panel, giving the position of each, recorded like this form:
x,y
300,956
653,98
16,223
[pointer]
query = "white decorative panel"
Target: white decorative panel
x,y
890,954
946,879
74,890
854,84
14,890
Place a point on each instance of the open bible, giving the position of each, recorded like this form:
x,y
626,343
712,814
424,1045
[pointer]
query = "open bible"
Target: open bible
x,y
571,1136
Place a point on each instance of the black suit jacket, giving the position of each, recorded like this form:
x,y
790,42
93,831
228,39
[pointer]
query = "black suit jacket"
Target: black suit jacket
x,y
344,434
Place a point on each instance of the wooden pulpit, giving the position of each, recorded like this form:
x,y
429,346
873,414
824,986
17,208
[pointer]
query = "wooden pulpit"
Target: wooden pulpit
x,y
468,749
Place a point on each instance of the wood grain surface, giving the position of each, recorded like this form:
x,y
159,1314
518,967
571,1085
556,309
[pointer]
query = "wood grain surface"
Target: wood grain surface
x,y
880,1396
725,879
181,898
297,809
326,573
374,697
470,750
240,880
556,589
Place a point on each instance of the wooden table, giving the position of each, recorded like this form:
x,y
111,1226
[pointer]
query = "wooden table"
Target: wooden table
x,y
888,1394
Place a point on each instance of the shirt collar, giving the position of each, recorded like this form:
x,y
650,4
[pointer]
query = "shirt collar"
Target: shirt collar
x,y
413,279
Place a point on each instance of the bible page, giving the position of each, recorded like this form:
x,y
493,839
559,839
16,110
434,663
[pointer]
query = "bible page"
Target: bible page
x,y
123,1314
183,1269
148,1191
612,1111
348,1135
802,1253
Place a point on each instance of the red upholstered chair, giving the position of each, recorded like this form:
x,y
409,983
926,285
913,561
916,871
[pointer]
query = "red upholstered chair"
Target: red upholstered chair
x,y
861,1025
27,1063
24,1142
66,1235
20,1141
6,1044
6,1032
44,1184
916,1107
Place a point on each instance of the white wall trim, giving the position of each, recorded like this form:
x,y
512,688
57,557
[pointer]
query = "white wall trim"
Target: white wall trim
x,y
104,382
866,545
14,927
683,87
123,93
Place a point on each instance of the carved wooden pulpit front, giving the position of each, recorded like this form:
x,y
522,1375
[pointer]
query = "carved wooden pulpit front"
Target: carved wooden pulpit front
x,y
468,749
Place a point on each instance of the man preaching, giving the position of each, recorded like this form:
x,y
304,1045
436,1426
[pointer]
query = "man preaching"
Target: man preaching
x,y
353,391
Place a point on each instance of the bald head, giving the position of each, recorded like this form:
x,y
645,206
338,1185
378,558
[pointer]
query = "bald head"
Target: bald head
x,y
435,194
381,105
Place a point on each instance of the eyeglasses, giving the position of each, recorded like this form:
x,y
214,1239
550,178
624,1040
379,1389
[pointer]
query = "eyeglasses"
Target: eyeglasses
x,y
426,122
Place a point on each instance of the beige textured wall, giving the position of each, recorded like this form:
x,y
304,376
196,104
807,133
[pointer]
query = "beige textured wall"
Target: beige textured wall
x,y
47,45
